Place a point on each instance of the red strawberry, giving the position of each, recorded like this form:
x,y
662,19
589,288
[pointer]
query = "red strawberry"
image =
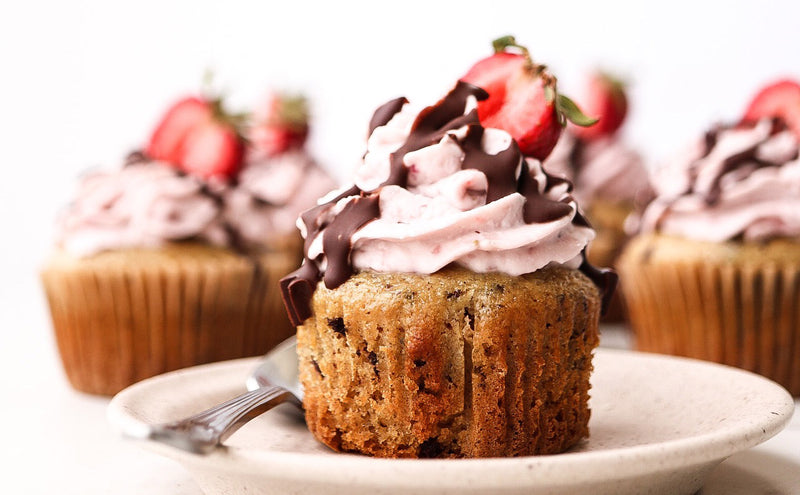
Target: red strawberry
x,y
177,123
604,98
523,99
196,136
779,99
281,125
212,149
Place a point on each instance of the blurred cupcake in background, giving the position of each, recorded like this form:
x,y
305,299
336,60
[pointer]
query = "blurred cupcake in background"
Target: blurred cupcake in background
x,y
610,179
279,177
715,272
173,259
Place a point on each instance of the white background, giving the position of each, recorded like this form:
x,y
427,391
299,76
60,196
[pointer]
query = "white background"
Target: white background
x,y
82,82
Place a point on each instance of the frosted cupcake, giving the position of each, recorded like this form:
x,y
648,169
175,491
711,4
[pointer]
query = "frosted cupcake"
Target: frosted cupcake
x,y
173,259
610,178
445,306
714,273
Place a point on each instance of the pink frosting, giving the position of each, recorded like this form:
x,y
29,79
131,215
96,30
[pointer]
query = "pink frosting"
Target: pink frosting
x,y
145,204
271,193
149,204
605,168
702,196
443,217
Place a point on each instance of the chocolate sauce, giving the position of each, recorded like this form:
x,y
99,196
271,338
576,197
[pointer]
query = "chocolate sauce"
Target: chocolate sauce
x,y
734,162
336,239
538,208
134,158
385,112
430,127
605,279
500,169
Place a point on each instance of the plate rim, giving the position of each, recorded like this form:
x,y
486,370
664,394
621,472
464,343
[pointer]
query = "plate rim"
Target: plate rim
x,y
672,454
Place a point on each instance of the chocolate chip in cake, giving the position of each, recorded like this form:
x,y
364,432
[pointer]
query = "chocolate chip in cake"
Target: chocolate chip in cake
x,y
454,294
373,360
430,448
337,325
316,367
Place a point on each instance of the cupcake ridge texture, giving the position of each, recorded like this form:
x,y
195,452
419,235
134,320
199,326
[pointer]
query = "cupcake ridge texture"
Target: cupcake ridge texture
x,y
436,188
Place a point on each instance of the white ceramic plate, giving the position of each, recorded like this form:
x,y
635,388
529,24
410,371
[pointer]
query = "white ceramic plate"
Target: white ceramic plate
x,y
659,425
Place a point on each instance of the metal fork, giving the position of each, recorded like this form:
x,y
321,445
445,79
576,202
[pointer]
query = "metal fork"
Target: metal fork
x,y
205,431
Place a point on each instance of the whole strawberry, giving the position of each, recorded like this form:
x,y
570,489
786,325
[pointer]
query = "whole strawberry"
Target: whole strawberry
x,y
780,99
280,125
523,98
604,98
196,136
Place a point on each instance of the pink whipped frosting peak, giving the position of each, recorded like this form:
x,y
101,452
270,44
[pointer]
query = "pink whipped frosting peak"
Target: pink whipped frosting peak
x,y
601,169
735,183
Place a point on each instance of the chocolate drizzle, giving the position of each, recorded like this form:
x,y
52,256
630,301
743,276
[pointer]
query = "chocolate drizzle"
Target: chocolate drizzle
x,y
336,238
746,157
385,112
538,208
506,172
605,279
500,169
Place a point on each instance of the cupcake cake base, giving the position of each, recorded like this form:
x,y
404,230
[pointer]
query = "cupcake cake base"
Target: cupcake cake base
x,y
453,364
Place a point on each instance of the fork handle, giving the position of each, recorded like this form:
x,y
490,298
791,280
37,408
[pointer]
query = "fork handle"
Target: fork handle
x,y
205,431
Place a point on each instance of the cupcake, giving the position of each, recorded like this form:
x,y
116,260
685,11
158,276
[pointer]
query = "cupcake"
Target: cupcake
x,y
714,272
445,306
610,179
174,258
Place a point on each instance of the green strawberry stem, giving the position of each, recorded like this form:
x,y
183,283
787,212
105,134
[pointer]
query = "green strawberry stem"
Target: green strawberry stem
x,y
568,110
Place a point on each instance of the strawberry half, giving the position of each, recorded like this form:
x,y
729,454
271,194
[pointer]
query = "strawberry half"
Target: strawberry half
x,y
197,137
604,97
177,123
281,124
523,99
212,149
780,99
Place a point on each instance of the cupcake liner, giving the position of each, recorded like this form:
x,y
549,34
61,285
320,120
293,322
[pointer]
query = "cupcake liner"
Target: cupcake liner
x,y
741,311
120,317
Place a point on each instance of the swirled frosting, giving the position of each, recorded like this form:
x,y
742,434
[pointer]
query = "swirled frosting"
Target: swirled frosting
x,y
434,188
270,193
736,182
141,205
604,168
148,204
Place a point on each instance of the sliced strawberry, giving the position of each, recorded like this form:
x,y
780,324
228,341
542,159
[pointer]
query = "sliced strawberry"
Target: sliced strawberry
x,y
281,124
780,99
212,149
491,74
523,99
177,123
604,98
196,136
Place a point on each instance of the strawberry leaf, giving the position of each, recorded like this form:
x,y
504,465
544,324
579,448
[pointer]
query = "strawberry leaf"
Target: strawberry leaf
x,y
503,43
568,110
